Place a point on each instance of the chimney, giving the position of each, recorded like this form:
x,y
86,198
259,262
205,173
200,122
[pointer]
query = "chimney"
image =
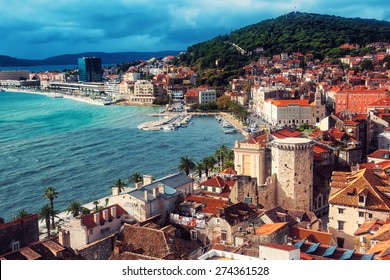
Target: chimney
x,y
113,211
161,188
117,247
96,218
146,195
105,214
115,191
156,191
147,179
138,185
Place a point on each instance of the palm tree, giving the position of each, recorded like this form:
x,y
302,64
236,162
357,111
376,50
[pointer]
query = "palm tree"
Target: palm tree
x,y
85,211
121,185
199,166
208,163
74,208
136,177
221,153
229,155
228,163
186,164
50,193
45,213
21,214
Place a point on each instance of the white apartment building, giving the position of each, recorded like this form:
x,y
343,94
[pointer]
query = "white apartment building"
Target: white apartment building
x,y
293,111
207,96
132,76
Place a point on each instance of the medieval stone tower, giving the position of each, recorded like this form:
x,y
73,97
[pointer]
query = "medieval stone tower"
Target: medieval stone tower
x,y
292,162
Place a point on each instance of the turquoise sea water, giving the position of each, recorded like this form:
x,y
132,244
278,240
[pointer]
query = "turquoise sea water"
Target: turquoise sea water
x,y
82,149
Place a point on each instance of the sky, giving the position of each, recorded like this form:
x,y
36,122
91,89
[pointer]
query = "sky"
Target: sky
x,y
37,29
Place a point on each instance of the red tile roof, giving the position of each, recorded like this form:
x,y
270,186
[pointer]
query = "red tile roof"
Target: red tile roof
x,y
314,236
261,139
289,102
229,171
214,182
385,154
270,228
285,132
353,183
320,149
368,226
210,204
89,222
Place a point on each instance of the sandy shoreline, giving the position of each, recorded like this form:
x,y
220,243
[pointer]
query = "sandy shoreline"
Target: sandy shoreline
x,y
52,94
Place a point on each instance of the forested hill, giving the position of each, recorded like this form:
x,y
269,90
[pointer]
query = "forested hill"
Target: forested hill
x,y
318,34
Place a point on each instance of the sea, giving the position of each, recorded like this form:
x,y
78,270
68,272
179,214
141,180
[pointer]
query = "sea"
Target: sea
x,y
82,149
44,68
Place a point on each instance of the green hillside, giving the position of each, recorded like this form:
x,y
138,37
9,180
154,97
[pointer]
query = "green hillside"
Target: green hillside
x,y
318,34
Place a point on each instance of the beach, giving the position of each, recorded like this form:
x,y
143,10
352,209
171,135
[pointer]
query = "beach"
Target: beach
x,y
56,94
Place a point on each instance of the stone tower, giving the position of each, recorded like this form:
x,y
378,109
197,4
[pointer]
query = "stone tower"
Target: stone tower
x,y
292,162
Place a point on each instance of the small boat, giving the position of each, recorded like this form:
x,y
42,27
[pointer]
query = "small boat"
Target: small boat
x,y
230,131
226,125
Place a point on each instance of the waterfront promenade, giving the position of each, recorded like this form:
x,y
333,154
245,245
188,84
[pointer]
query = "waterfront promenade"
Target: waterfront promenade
x,y
56,94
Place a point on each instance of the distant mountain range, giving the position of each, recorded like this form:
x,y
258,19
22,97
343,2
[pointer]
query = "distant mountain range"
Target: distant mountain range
x,y
71,59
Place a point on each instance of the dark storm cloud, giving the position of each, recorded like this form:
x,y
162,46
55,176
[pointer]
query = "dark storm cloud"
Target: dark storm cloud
x,y
43,28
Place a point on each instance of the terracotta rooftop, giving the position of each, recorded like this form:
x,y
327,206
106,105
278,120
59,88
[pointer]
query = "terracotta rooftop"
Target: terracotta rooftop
x,y
261,139
383,233
320,149
152,243
89,222
314,236
382,154
285,132
210,204
353,184
289,102
269,228
215,182
229,171
366,227
381,248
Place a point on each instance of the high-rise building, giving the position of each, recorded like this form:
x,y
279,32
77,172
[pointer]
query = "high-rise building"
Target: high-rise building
x,y
90,69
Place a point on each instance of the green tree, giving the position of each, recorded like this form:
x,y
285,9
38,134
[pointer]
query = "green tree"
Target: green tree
x,y
50,193
223,102
208,163
121,185
21,214
199,166
228,164
135,177
186,165
45,213
221,153
74,208
85,211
